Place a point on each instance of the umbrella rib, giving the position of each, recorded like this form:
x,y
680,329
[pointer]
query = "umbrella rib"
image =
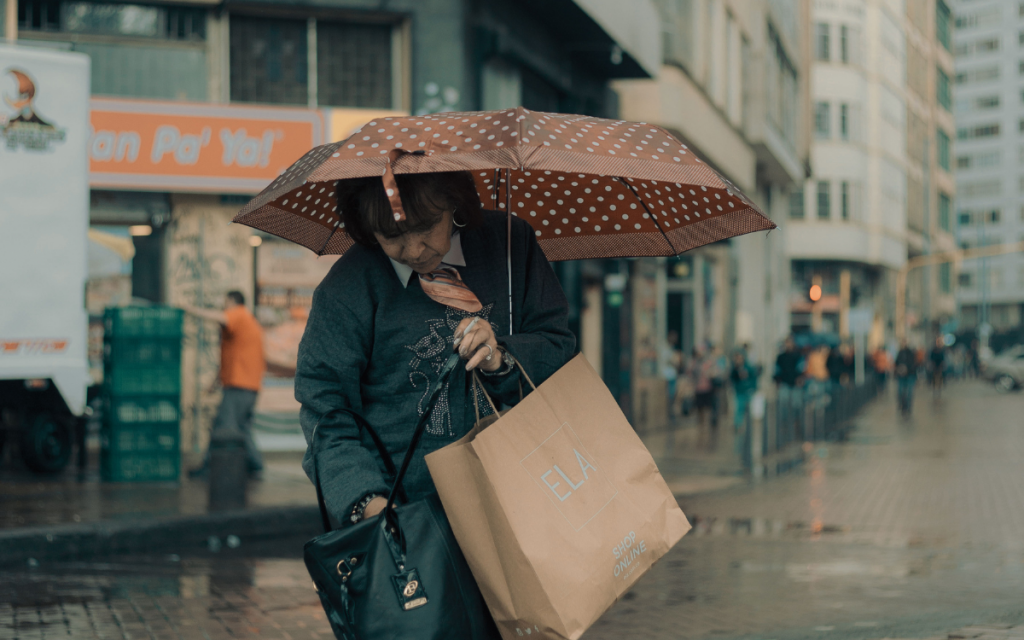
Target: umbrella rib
x,y
337,224
653,217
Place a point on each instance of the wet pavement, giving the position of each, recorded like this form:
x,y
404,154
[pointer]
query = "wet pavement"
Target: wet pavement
x,y
911,529
29,500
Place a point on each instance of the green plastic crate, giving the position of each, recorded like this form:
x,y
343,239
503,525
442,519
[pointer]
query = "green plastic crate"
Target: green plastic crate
x,y
147,351
133,410
135,381
152,322
140,452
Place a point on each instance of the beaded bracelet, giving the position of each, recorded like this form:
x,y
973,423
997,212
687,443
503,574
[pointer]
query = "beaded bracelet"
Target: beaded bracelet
x,y
359,507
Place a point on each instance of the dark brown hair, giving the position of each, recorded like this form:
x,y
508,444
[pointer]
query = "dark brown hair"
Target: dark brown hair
x,y
425,197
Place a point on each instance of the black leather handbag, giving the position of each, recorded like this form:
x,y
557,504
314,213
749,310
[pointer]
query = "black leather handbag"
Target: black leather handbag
x,y
399,574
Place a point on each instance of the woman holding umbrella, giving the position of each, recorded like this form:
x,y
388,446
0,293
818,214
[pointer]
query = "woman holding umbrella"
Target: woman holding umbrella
x,y
392,310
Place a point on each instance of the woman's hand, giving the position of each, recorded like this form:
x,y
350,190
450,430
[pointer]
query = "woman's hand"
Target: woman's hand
x,y
374,507
473,336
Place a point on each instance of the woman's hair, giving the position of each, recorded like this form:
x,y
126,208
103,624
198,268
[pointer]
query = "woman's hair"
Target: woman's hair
x,y
366,209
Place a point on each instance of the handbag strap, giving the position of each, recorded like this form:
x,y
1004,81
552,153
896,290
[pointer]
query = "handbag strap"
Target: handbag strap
x,y
361,422
434,391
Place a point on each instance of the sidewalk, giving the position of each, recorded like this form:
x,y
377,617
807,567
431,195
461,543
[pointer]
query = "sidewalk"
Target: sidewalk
x,y
73,516
70,516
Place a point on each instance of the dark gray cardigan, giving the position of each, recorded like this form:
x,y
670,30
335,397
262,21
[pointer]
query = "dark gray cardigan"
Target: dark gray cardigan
x,y
373,345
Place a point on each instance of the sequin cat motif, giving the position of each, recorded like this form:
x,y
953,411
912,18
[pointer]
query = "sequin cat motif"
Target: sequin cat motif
x,y
429,355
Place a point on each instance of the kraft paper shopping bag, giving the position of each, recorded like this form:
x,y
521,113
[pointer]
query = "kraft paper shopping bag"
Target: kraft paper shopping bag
x,y
558,506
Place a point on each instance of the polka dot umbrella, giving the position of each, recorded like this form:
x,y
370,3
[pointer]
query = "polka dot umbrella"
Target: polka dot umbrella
x,y
589,187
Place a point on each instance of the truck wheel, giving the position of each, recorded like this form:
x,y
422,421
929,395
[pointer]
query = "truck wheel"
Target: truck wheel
x,y
46,444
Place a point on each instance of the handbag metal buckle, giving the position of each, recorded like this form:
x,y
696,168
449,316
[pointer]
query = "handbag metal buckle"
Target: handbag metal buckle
x,y
344,570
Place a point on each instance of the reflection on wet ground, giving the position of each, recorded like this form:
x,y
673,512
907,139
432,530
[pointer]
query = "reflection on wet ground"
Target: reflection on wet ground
x,y
909,529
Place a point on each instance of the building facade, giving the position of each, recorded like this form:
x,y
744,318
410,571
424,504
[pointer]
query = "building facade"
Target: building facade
x,y
988,37
733,85
198,105
847,227
931,187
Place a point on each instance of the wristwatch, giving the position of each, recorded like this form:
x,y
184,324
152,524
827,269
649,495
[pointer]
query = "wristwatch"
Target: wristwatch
x,y
507,364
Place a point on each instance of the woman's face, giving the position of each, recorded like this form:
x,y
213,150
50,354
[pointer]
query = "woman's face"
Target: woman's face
x,y
423,251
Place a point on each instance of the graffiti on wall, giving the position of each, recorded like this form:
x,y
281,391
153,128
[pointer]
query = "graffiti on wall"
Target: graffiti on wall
x,y
206,256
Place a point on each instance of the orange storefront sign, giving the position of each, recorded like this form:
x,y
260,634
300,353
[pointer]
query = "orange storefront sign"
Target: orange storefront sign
x,y
187,147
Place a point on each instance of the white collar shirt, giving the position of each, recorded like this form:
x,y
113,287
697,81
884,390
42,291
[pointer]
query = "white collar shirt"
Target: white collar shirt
x,y
454,258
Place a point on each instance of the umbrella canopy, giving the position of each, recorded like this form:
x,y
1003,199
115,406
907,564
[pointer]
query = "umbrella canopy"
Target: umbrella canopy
x,y
589,187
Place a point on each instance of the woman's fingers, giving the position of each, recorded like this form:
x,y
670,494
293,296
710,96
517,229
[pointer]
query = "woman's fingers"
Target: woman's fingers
x,y
479,335
466,326
479,357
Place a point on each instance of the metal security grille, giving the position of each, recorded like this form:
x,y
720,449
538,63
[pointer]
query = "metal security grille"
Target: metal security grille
x,y
354,65
269,61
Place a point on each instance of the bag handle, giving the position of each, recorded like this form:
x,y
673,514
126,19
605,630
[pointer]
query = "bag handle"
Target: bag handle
x,y
478,384
361,422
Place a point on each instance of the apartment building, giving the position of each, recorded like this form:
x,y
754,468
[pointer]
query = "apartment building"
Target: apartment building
x,y
848,226
988,41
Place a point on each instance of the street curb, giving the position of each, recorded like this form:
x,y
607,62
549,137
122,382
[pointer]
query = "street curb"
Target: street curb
x,y
178,534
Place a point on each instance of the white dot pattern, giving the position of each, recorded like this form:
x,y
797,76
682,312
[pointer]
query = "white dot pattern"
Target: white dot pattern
x,y
590,187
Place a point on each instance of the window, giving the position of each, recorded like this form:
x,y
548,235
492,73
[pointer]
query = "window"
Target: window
x,y
824,200
844,121
135,49
822,120
982,74
354,65
964,280
129,20
945,278
942,20
988,102
844,195
970,133
821,39
945,211
942,90
350,66
942,144
796,204
981,188
964,218
844,44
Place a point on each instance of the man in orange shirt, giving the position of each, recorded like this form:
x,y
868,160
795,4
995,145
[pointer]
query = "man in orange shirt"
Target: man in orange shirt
x,y
242,365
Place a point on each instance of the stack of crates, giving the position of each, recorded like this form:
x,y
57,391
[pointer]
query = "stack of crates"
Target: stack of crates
x,y
140,436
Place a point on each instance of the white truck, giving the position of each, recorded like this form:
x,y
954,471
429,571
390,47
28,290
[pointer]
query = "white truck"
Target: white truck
x,y
44,220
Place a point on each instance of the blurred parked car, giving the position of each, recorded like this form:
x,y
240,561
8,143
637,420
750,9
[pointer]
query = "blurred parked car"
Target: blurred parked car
x,y
1006,370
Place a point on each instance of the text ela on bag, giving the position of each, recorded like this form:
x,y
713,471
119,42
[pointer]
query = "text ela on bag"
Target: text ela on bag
x,y
584,465
625,552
